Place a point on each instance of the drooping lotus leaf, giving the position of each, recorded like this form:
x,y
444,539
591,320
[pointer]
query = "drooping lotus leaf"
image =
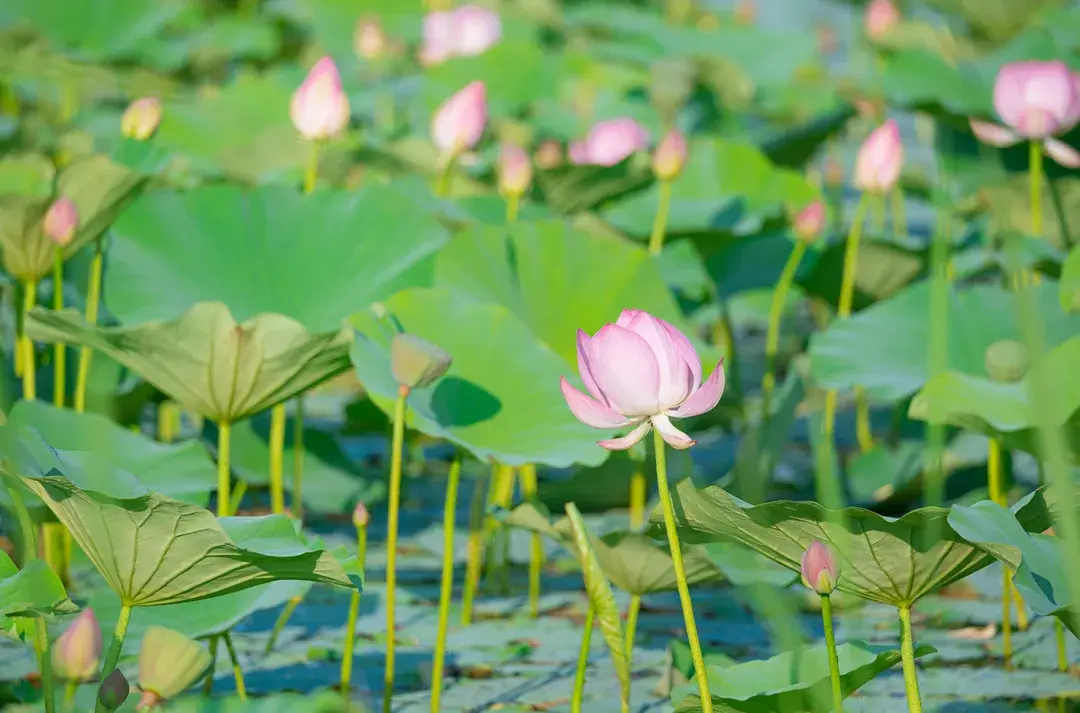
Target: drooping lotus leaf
x,y
1070,282
1004,409
883,348
28,174
744,567
207,361
500,399
1037,560
888,560
34,591
633,562
791,681
318,258
100,190
154,551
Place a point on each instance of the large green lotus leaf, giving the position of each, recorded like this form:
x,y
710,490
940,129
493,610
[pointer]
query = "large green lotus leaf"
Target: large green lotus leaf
x,y
883,348
318,258
1005,410
726,186
26,175
793,680
34,591
885,267
1070,282
633,562
205,360
500,398
540,270
996,20
1037,561
154,551
888,560
515,73
922,79
100,190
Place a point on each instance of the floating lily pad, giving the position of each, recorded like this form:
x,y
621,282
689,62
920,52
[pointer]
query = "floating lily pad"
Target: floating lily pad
x,y
34,591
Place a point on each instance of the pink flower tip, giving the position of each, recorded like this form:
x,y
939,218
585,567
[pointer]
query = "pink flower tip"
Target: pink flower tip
x,y
810,221
880,159
820,568
880,18
670,156
459,123
61,221
515,170
320,108
360,516
610,142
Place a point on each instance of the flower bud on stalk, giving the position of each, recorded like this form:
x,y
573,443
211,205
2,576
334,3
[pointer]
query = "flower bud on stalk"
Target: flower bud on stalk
x,y
169,663
880,18
810,222
459,123
669,159
369,40
515,170
415,362
76,655
61,220
141,119
820,568
880,160
114,690
360,516
320,108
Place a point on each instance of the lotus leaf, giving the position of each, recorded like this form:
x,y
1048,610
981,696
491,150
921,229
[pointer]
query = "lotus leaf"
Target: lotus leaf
x,y
34,591
206,360
573,188
888,560
26,175
1070,282
515,73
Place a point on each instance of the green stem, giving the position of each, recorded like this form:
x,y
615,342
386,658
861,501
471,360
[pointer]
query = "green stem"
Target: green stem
x,y
1062,646
29,377
475,550
113,655
354,612
396,447
638,494
298,460
311,173
168,421
70,688
536,545
446,590
631,627
26,525
938,343
680,575
907,658
1035,177
442,183
238,673
282,619
93,298
223,475
238,494
41,647
582,662
208,682
513,205
899,218
776,312
59,349
659,228
277,457
830,646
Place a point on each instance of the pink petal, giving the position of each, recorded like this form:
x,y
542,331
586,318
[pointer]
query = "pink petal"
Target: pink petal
x,y
1062,153
1009,84
671,435
676,379
584,370
705,398
589,411
625,370
993,134
880,159
627,441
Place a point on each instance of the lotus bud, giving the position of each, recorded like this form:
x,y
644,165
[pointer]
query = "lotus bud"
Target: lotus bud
x,y
1006,361
515,170
61,220
820,568
320,108
416,362
670,156
880,18
459,123
141,119
609,142
76,655
369,40
114,690
360,516
550,155
880,159
810,221
169,663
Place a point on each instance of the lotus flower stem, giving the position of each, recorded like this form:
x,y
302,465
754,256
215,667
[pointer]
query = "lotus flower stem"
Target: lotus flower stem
x,y
907,658
504,498
238,673
53,540
529,487
238,494
631,626
830,646
1062,647
208,683
638,494
93,298
446,590
298,460
776,311
168,421
223,474
659,228
59,349
396,447
277,456
26,525
995,486
354,612
938,342
1035,177
311,173
279,625
475,551
113,654
29,377
583,661
680,575
71,687
513,204
899,216
1006,618
41,648
442,183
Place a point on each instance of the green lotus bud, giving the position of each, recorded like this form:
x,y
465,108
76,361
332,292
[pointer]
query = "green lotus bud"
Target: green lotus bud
x,y
169,663
416,362
1007,361
114,690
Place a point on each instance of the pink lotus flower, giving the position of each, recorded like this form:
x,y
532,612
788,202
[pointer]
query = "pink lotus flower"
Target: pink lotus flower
x,y
880,18
320,108
640,372
141,119
1036,100
877,167
459,123
76,655
61,221
820,568
468,31
810,221
670,156
609,142
515,170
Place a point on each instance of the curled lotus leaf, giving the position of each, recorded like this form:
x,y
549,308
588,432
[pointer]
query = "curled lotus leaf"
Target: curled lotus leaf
x,y
207,361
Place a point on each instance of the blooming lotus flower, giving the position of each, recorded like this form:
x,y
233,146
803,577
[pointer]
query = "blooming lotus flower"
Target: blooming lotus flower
x,y
820,568
670,156
76,655
810,221
141,119
369,40
640,371
880,18
609,142
515,170
1036,100
61,220
460,121
477,30
319,107
877,167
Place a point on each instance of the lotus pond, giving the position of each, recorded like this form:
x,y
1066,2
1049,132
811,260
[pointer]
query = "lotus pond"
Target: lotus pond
x,y
539,355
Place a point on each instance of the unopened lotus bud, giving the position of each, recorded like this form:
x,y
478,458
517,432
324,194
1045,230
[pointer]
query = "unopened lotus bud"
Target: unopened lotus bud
x,y
114,690
459,123
880,160
820,568
416,362
550,155
76,655
61,220
141,119
880,18
169,663
320,107
360,516
369,40
810,221
1006,361
515,170
670,156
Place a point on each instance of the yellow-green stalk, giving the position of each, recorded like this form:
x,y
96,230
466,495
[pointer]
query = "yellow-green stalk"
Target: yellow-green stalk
x,y
446,589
